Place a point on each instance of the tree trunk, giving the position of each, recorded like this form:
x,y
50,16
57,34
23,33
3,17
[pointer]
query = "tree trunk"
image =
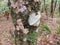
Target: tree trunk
x,y
25,34
59,8
44,5
52,10
55,5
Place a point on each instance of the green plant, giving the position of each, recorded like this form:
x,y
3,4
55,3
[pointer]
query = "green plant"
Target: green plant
x,y
3,6
45,28
32,37
58,30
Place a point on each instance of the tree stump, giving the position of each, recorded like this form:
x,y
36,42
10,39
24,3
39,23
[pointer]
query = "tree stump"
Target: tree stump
x,y
26,19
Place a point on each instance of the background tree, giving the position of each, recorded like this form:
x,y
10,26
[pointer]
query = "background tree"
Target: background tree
x,y
59,8
52,9
55,4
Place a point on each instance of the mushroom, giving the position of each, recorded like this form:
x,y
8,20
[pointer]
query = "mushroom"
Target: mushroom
x,y
34,19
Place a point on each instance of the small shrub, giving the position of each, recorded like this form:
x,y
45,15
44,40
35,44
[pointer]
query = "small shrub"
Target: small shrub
x,y
45,28
58,30
3,7
32,37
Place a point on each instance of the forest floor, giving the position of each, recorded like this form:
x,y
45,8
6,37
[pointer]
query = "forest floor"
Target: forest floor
x,y
7,29
53,38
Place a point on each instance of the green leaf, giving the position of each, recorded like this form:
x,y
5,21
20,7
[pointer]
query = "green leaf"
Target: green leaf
x,y
32,37
58,30
3,6
45,28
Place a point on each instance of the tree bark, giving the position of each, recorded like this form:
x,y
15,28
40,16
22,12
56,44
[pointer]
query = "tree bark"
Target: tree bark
x,y
55,5
52,10
24,16
59,8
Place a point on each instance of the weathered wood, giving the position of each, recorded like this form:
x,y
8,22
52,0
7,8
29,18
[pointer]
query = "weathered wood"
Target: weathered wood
x,y
27,37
